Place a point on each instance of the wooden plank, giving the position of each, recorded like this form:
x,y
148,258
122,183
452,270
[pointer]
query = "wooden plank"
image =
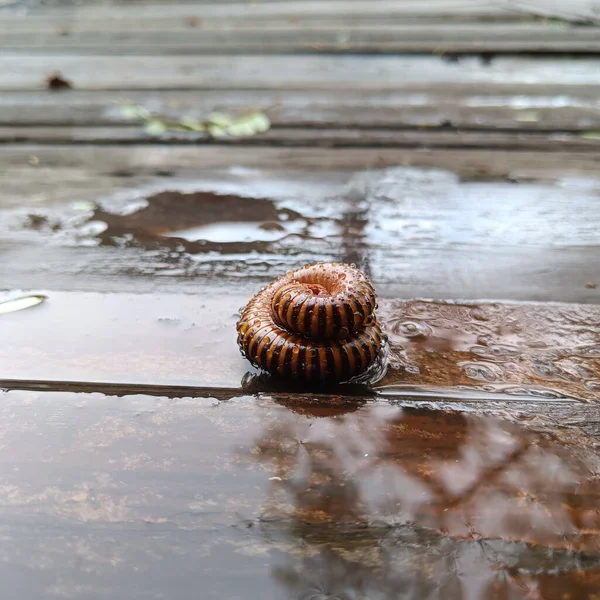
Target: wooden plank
x,y
503,107
410,38
419,107
461,240
542,246
287,72
436,348
578,11
332,138
166,341
53,163
452,272
57,177
265,12
134,497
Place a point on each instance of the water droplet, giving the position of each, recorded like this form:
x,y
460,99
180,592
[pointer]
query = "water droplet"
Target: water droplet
x,y
353,265
543,393
484,340
545,371
478,314
169,320
586,351
481,371
412,329
593,385
496,352
531,391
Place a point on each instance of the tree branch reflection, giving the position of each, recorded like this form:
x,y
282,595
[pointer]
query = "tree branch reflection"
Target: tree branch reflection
x,y
387,502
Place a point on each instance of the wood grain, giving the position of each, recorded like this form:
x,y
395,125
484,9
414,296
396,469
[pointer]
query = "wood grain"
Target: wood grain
x,y
437,38
544,107
59,161
106,497
436,348
328,138
287,72
267,12
140,457
578,11
537,251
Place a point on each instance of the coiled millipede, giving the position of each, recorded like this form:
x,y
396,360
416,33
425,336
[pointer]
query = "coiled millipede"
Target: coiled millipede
x,y
315,324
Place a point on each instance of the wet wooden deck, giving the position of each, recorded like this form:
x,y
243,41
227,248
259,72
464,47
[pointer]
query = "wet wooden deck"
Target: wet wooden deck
x,y
449,148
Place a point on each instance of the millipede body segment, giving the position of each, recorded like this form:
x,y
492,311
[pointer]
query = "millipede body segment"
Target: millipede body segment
x,y
315,324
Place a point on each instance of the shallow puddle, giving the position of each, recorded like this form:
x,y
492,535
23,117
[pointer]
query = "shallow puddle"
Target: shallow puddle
x,y
150,497
422,229
538,350
461,350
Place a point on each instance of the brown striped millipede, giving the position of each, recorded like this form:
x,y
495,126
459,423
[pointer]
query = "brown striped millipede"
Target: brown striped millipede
x,y
315,324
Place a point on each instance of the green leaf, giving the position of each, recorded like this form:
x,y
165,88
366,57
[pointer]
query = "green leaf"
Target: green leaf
x,y
217,131
155,128
192,124
590,135
527,116
84,205
249,124
20,303
217,125
133,111
220,119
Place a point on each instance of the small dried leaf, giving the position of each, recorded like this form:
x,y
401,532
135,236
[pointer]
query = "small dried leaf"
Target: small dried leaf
x,y
57,82
20,303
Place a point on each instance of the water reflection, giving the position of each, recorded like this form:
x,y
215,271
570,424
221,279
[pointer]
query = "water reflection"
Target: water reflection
x,y
545,351
386,502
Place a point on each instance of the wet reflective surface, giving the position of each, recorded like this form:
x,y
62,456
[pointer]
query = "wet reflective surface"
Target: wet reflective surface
x,y
538,350
150,497
244,487
525,350
140,455
418,232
